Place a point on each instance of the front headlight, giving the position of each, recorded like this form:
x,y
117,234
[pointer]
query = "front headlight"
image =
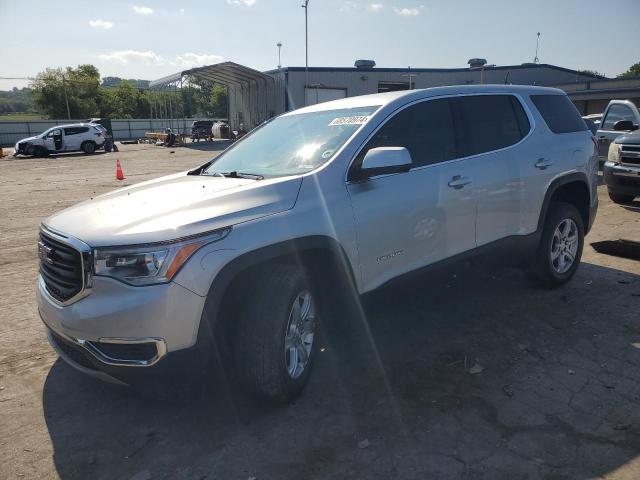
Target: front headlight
x,y
614,153
150,264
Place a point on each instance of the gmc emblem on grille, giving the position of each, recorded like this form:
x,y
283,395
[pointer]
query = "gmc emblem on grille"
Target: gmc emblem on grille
x,y
45,253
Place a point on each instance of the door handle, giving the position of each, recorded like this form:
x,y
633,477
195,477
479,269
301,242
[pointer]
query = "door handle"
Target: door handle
x,y
543,163
459,182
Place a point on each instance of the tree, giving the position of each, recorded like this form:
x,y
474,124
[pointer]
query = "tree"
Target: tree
x,y
219,101
632,72
595,73
124,101
79,87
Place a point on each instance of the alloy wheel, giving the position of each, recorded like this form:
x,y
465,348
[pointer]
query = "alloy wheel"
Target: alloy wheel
x,y
564,246
299,334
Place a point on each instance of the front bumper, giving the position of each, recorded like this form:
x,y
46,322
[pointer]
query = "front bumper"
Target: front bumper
x,y
118,328
622,179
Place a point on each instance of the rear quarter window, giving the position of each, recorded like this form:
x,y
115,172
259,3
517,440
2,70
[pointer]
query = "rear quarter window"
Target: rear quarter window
x,y
559,113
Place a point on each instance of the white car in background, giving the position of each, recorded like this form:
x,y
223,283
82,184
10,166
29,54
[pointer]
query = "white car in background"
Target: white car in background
x,y
85,137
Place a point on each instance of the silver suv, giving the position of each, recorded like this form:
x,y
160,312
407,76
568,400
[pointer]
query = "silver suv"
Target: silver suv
x,y
247,253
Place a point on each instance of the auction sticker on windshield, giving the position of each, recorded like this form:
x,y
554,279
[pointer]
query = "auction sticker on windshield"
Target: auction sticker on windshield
x,y
353,120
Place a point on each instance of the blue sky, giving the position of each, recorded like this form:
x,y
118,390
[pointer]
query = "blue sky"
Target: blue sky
x,y
149,39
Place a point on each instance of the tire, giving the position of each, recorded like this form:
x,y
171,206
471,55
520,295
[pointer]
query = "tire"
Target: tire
x,y
619,198
266,367
41,152
552,265
30,150
88,147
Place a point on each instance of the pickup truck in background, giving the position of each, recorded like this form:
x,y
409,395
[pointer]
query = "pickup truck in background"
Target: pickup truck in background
x,y
617,111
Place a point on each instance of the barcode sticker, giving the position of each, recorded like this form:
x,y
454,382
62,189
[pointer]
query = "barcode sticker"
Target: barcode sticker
x,y
354,120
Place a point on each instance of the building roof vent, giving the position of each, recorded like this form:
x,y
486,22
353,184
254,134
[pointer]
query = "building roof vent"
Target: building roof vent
x,y
477,62
365,64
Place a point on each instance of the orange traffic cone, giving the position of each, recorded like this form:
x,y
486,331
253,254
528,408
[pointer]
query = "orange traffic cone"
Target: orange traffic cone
x,y
119,174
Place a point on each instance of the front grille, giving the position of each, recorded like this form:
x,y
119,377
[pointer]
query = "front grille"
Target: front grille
x,y
127,351
630,154
74,352
630,160
60,267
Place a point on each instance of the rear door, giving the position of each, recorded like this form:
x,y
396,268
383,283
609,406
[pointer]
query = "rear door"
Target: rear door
x,y
490,127
606,134
73,137
407,220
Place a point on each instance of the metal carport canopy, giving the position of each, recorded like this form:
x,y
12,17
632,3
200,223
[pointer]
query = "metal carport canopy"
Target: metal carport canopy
x,y
251,93
227,73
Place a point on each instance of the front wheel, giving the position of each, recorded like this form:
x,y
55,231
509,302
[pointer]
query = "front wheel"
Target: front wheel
x,y
619,198
274,343
558,255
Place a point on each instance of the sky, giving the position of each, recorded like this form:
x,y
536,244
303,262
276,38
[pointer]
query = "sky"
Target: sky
x,y
149,39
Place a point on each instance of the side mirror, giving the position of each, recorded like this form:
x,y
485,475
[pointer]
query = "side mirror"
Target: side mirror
x,y
384,160
623,125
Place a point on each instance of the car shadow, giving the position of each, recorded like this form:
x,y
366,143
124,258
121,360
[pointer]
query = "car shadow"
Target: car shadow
x,y
204,146
633,206
58,155
470,373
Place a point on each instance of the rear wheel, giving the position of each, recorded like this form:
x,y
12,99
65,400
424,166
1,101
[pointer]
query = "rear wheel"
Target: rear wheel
x,y
558,255
274,342
619,198
88,147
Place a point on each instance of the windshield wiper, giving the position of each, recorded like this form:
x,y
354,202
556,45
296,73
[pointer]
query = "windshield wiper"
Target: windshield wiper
x,y
235,174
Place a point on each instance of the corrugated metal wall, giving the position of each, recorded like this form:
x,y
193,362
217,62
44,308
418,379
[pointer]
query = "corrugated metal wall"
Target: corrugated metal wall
x,y
123,129
366,81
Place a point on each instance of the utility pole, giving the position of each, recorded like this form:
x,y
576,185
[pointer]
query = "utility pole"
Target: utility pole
x,y
411,77
306,41
279,45
66,99
536,59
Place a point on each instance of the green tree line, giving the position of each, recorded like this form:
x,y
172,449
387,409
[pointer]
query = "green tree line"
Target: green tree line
x,y
79,93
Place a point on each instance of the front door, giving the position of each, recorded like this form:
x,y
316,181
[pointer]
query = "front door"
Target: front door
x,y
407,220
53,141
606,134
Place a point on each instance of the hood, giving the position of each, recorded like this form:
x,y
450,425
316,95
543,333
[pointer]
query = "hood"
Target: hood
x,y
173,207
28,139
632,138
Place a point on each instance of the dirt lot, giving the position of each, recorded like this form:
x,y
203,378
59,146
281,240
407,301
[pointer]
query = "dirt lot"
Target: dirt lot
x,y
554,393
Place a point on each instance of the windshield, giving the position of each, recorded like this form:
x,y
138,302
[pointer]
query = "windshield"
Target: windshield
x,y
292,144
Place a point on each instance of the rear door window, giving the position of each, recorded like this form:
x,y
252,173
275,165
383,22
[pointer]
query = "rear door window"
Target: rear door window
x,y
488,122
559,113
616,113
75,130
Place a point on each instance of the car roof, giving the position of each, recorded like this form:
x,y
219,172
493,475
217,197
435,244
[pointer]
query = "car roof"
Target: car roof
x,y
67,125
405,96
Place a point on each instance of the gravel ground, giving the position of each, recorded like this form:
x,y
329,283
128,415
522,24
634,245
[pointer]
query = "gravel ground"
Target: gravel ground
x,y
474,373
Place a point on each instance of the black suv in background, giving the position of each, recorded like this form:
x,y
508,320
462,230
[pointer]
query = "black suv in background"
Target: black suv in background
x,y
201,129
